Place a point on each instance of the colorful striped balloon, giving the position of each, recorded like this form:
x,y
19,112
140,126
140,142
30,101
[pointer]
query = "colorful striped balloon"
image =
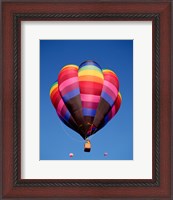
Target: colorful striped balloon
x,y
90,82
87,97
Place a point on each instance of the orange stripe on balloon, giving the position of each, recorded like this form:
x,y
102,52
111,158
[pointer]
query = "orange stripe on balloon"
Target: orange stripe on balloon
x,y
91,78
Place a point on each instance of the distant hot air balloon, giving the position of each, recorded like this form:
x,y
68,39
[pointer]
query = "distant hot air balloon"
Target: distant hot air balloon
x,y
71,155
105,154
86,98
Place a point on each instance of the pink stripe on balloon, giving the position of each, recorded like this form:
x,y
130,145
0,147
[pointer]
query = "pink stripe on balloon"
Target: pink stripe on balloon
x,y
112,93
64,110
113,111
110,85
112,80
90,97
60,106
67,82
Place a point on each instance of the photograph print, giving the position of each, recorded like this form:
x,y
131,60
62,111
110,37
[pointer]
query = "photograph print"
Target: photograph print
x,y
86,99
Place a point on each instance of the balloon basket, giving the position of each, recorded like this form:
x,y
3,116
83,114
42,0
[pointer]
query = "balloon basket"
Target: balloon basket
x,y
87,146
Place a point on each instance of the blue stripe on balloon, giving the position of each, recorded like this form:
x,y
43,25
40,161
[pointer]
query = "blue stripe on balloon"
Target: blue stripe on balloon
x,y
88,112
63,119
106,119
107,98
65,122
71,94
90,62
67,115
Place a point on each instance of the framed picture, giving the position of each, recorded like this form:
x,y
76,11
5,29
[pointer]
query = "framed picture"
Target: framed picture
x,y
86,100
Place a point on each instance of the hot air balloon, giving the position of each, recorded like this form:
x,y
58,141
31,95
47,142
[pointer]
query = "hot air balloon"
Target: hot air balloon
x,y
105,154
86,98
71,155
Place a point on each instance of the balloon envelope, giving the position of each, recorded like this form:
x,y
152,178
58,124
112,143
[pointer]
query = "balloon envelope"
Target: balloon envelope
x,y
86,98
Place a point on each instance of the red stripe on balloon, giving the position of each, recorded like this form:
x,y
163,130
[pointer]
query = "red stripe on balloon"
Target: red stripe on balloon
x,y
66,75
112,79
68,67
86,104
118,103
70,73
55,94
55,99
115,107
90,87
88,90
55,102
54,91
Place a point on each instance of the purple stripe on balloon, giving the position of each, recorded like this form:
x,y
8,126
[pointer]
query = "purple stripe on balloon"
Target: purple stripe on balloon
x,y
106,119
90,98
112,93
89,62
107,98
71,94
67,115
69,88
88,112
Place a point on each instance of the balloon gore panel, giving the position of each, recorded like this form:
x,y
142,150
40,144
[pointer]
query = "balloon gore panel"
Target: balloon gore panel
x,y
70,93
91,84
61,108
108,96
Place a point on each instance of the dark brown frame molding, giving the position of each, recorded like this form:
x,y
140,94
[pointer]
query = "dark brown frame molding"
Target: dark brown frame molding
x,y
160,185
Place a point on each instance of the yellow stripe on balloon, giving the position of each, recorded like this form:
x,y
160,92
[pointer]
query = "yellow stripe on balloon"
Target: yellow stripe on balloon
x,y
91,73
120,95
107,70
53,87
70,65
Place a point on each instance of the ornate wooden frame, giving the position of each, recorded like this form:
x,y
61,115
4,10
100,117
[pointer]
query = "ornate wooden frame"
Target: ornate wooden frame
x,y
160,184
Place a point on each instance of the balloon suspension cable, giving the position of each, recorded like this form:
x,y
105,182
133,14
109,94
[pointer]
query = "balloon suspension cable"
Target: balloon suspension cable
x,y
81,141
90,134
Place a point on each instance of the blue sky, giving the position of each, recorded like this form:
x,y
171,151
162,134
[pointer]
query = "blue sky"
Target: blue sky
x,y
116,138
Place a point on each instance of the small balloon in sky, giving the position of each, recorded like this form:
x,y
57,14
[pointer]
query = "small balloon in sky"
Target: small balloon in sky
x,y
105,154
71,155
